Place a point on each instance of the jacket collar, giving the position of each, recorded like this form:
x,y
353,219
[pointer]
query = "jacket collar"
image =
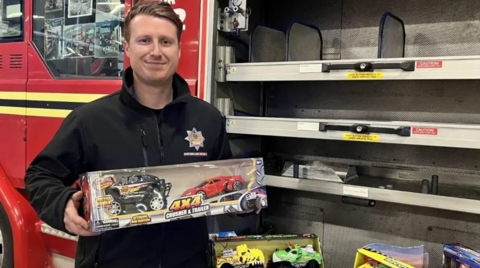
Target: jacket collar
x,y
181,91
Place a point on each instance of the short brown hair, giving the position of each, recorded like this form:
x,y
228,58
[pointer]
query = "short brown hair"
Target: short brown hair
x,y
153,8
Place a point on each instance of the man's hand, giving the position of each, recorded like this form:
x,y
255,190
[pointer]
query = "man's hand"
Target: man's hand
x,y
73,222
248,211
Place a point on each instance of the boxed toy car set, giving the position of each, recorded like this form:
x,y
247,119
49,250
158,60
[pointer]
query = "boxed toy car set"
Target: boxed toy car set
x,y
388,256
271,251
460,256
129,197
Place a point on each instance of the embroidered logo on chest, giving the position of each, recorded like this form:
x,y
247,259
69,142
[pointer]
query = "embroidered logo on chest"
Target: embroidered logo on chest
x,y
195,139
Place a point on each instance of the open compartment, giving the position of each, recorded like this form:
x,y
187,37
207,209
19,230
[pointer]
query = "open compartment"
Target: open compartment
x,y
379,40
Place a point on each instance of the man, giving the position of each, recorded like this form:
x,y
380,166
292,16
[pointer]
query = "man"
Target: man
x,y
143,124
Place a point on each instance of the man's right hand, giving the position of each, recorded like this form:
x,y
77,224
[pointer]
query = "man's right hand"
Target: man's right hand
x,y
73,222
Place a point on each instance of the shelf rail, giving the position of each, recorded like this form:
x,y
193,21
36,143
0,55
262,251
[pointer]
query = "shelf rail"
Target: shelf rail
x,y
394,132
427,68
377,194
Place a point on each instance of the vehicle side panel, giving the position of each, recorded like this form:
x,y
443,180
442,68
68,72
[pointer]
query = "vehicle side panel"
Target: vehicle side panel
x,y
29,249
13,74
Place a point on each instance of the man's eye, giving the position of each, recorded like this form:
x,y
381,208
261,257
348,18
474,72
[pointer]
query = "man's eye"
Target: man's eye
x,y
166,42
143,41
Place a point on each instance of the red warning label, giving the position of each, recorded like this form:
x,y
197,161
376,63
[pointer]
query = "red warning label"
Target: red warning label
x,y
429,64
425,131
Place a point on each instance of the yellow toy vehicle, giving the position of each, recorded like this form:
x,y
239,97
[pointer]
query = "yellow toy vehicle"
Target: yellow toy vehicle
x,y
243,257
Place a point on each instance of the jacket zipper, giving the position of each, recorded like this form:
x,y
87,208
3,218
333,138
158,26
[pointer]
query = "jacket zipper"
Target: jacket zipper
x,y
144,145
159,136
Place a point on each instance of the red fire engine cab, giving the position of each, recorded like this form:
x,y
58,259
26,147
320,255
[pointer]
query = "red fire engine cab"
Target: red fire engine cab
x,y
54,56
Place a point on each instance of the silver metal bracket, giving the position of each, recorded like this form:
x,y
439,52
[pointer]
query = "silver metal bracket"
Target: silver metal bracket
x,y
225,56
233,18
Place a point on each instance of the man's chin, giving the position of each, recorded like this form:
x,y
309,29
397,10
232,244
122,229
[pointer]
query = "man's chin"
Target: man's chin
x,y
156,74
156,78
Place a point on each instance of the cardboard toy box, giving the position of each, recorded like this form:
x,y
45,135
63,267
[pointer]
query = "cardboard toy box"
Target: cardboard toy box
x,y
283,250
388,256
130,197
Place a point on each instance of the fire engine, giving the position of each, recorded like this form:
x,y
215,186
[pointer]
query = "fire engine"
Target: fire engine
x,y
54,56
366,112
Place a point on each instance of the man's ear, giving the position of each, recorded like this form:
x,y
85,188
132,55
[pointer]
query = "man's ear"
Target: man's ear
x,y
179,50
126,48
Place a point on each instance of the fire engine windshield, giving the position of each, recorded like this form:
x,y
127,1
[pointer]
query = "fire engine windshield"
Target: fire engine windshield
x,y
80,38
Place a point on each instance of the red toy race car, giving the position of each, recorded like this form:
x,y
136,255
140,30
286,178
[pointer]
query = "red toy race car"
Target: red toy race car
x,y
216,186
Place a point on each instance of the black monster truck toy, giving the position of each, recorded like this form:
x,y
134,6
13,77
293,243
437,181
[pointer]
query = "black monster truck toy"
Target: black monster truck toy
x,y
146,192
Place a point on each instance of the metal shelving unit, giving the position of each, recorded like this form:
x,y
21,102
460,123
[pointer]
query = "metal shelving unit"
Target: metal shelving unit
x,y
407,75
408,133
425,68
377,194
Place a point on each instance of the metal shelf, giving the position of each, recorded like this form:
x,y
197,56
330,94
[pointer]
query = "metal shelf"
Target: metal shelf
x,y
377,194
428,68
399,132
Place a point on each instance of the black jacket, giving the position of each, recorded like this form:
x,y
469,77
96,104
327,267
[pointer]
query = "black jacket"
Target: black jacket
x,y
107,134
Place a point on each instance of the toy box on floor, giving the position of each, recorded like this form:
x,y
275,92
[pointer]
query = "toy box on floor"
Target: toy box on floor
x,y
129,197
270,251
387,256
460,256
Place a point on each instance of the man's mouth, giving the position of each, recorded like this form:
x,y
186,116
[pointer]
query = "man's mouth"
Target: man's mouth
x,y
155,63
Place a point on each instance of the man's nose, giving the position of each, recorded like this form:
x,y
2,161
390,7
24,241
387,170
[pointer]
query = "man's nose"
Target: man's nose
x,y
156,50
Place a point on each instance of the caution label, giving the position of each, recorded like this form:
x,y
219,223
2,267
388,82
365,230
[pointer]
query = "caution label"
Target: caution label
x,y
424,131
429,64
365,75
361,137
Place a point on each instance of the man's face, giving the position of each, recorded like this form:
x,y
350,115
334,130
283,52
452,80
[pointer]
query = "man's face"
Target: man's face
x,y
153,48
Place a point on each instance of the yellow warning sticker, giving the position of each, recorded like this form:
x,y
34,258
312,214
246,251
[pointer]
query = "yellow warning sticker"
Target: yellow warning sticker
x,y
361,137
139,219
365,75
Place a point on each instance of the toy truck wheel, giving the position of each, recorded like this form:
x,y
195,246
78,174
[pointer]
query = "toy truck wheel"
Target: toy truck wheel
x,y
156,203
6,240
312,264
115,209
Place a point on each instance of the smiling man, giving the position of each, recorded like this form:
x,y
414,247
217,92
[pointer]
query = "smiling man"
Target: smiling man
x,y
153,120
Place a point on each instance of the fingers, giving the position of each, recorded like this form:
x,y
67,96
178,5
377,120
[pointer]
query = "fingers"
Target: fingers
x,y
77,196
244,212
78,230
74,223
79,221
71,215
257,211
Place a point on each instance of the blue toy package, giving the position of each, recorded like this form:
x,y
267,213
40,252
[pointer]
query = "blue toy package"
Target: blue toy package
x,y
459,256
223,234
